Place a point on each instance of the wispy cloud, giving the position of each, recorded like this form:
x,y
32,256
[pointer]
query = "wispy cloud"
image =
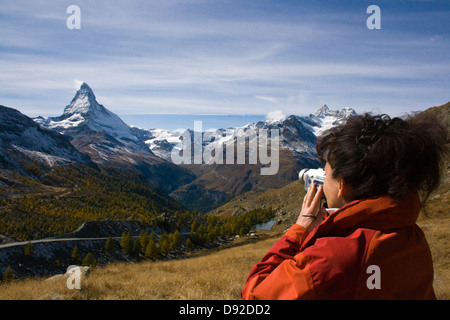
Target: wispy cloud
x,y
276,115
269,99
232,56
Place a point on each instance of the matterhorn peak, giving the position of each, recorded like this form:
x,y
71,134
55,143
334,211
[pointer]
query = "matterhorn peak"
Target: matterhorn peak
x,y
85,89
85,111
83,101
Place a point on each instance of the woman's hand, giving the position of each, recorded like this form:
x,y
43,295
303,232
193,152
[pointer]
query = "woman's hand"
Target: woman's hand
x,y
311,215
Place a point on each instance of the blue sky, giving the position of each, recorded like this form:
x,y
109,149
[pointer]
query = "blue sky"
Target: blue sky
x,y
225,56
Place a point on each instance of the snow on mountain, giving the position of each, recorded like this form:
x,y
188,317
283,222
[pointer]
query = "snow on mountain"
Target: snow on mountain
x,y
107,140
161,142
215,184
297,133
102,135
85,110
23,139
96,131
324,118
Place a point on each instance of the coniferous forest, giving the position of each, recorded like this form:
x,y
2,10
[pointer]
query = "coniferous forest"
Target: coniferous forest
x,y
58,201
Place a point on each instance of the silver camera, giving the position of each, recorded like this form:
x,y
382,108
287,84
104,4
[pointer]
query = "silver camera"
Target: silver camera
x,y
316,176
310,176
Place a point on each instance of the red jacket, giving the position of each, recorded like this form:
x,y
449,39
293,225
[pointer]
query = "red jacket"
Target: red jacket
x,y
368,249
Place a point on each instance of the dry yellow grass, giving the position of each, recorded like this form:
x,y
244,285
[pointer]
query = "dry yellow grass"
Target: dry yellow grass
x,y
437,232
220,275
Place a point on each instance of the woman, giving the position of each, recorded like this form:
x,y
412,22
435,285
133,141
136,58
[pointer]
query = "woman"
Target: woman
x,y
370,247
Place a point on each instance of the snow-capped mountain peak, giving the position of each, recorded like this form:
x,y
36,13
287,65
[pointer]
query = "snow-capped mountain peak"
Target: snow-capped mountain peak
x,y
324,111
83,101
325,118
298,134
346,112
84,110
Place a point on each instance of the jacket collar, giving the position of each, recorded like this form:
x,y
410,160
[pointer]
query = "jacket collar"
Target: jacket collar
x,y
380,213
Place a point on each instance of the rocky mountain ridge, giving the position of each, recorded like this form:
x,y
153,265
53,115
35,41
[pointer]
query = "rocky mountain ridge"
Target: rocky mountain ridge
x,y
107,140
298,133
23,142
99,133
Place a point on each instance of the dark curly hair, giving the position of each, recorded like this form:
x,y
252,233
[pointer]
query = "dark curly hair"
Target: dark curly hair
x,y
377,155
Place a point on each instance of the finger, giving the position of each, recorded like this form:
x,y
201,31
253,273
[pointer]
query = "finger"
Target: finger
x,y
317,196
310,194
305,198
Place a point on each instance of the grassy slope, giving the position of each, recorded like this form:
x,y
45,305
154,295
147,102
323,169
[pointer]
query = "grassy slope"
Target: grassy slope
x,y
219,275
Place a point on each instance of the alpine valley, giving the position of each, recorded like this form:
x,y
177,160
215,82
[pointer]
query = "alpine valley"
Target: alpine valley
x,y
100,134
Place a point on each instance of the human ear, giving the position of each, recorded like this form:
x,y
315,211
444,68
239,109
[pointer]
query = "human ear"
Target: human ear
x,y
343,190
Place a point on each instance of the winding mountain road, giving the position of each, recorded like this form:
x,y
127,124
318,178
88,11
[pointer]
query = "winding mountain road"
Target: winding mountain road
x,y
23,243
